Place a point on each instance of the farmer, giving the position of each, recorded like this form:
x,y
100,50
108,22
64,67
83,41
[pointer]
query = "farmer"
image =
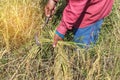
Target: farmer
x,y
84,16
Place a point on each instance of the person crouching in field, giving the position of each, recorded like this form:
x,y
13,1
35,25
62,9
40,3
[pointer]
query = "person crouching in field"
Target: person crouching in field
x,y
84,16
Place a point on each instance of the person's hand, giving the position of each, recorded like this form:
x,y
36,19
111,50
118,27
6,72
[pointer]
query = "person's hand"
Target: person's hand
x,y
50,8
56,39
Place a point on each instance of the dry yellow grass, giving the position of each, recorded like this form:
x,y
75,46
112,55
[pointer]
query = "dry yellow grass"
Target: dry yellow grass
x,y
18,20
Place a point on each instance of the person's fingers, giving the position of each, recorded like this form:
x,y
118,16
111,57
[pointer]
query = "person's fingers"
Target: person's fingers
x,y
47,11
53,11
49,8
55,41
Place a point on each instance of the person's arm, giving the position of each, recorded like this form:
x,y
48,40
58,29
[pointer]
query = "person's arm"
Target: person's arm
x,y
71,14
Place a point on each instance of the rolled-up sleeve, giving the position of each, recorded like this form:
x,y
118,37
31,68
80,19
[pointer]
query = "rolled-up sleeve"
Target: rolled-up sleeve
x,y
71,14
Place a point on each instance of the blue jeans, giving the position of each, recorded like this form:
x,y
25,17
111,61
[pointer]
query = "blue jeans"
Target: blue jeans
x,y
86,36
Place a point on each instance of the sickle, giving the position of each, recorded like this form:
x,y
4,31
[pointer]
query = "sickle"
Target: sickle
x,y
36,35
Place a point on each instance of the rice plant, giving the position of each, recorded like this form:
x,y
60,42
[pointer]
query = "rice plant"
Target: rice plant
x,y
22,59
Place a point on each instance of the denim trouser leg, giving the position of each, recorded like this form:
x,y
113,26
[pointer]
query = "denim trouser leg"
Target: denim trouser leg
x,y
88,35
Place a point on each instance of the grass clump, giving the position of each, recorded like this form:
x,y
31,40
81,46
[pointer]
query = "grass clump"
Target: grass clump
x,y
18,20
